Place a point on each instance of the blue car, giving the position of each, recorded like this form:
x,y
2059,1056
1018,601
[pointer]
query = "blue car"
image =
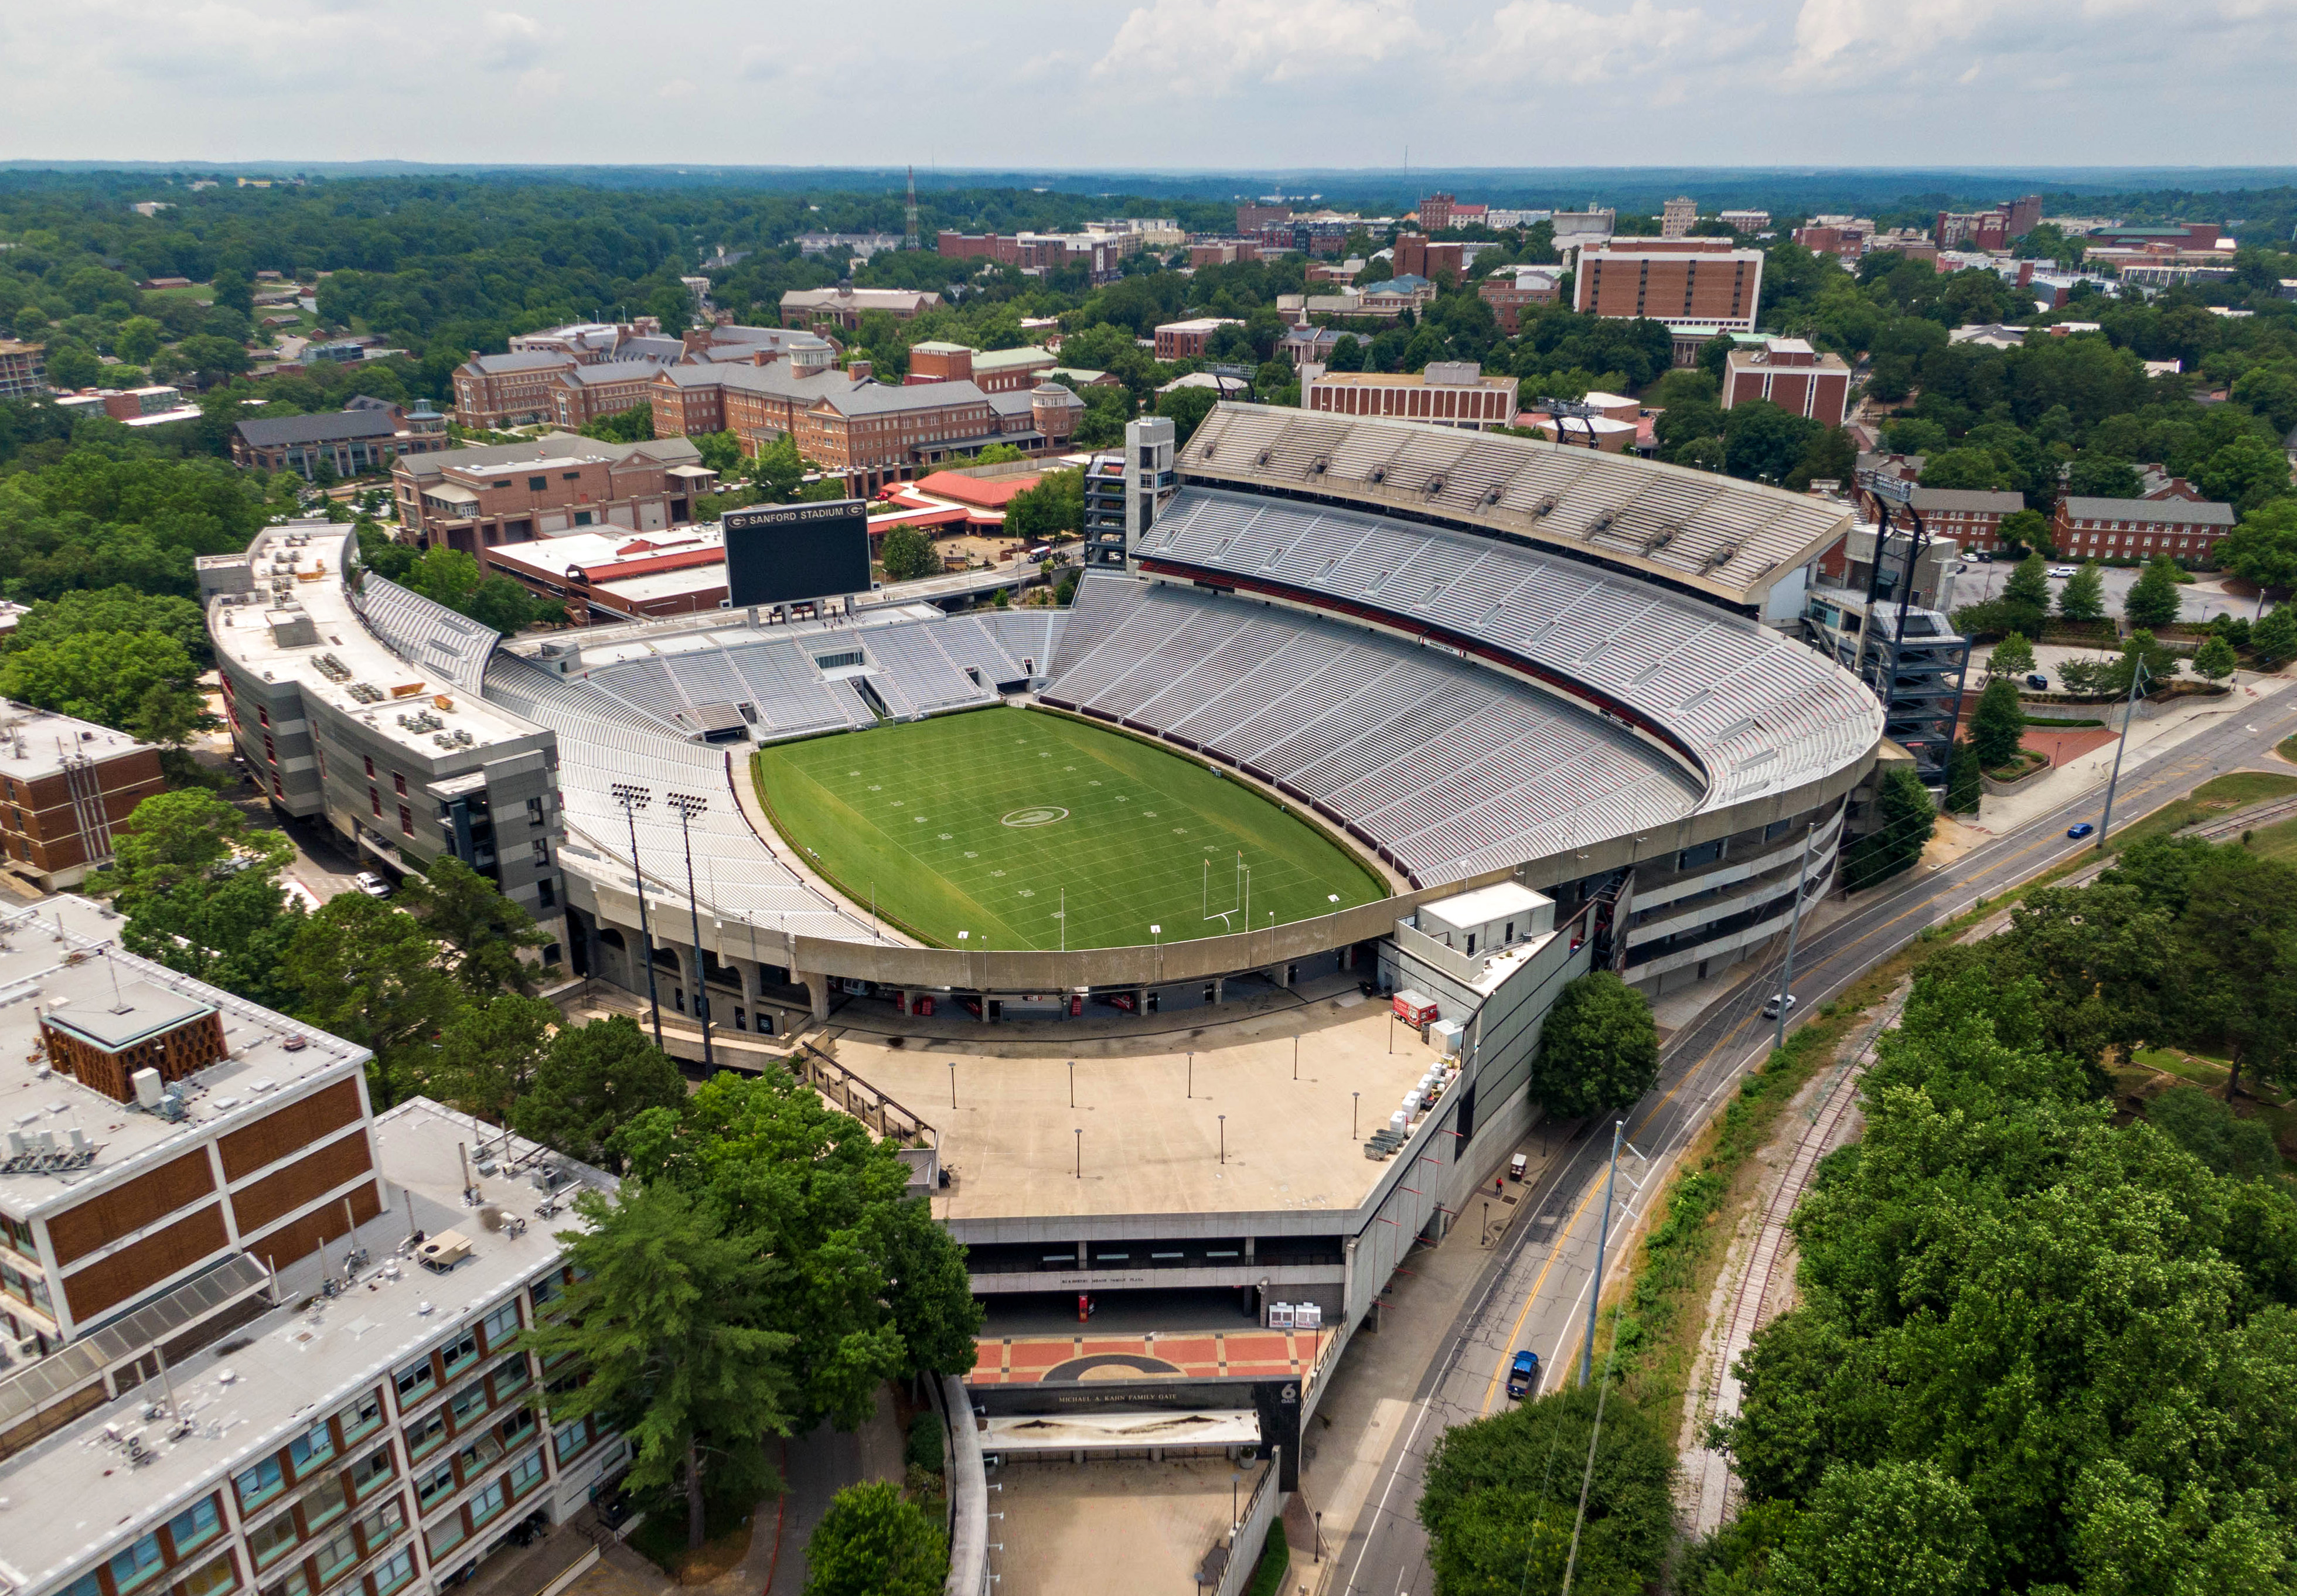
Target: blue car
x,y
1523,1374
2081,831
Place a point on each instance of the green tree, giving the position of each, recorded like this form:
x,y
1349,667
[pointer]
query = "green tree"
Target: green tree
x,y
780,470
665,1313
214,359
1348,354
483,931
142,683
2083,597
872,1543
116,610
2153,600
1897,1529
2213,1133
1904,818
2246,472
633,425
364,970
2095,475
998,454
1187,407
73,365
1962,788
2263,549
2012,656
2027,530
907,554
137,340
1599,1050
883,1293
1998,725
1762,441
199,890
2025,596
2274,637
2214,660
593,1080
487,1054
1964,468
1501,1495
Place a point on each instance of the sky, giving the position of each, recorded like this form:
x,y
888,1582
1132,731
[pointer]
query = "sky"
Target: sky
x,y
1224,84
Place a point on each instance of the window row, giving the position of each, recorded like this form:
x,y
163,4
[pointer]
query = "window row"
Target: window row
x,y
325,1563
520,1481
418,1379
478,1454
308,1453
463,1411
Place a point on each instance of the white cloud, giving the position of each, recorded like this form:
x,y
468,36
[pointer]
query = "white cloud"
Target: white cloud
x,y
509,40
1840,39
1200,48
1574,44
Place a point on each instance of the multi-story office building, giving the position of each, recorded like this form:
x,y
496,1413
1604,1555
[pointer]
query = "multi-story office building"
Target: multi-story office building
x,y
370,1427
23,369
64,786
993,371
1509,296
1972,517
872,433
473,498
2138,528
1187,340
1678,217
362,708
1678,280
512,389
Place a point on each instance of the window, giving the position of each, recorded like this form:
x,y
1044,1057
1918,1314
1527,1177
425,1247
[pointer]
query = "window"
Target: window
x,y
85,1585
215,1577
511,1377
374,802
449,1536
194,1526
370,1471
381,1524
542,854
412,1381
548,896
461,1354
396,1572
315,1446
260,1484
501,1326
468,1403
538,484
326,1502
399,784
546,1291
570,1438
136,1564
370,766
488,1502
262,716
338,1552
268,1543
525,1473
432,1487
426,1434
361,1417
406,819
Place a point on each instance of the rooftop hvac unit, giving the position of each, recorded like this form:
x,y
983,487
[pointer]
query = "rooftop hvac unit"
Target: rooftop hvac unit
x,y
443,1251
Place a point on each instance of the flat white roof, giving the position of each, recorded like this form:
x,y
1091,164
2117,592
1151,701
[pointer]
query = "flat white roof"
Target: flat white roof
x,y
1485,904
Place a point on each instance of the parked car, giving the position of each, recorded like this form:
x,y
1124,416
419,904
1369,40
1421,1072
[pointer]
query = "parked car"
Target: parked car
x,y
2063,571
1771,1008
371,884
1983,557
1523,1375
2037,681
2081,830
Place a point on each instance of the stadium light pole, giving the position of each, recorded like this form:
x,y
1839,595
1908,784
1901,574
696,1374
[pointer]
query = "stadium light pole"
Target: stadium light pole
x,y
688,805
633,799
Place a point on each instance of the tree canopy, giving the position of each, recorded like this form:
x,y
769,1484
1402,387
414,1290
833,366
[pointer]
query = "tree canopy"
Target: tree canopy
x,y
1599,1049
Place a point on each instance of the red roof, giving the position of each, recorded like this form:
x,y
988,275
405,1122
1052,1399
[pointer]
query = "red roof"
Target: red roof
x,y
991,495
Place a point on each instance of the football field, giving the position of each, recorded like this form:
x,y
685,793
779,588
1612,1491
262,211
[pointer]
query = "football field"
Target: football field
x,y
1030,830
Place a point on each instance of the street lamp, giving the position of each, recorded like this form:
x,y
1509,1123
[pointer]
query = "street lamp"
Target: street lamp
x,y
1072,1082
1080,1153
634,798
1223,1139
688,805
1355,1101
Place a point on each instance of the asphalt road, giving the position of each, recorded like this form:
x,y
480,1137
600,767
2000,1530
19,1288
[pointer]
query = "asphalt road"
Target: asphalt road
x,y
1534,1293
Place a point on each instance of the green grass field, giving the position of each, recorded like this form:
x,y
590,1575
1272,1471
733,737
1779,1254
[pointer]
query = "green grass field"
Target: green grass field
x,y
979,822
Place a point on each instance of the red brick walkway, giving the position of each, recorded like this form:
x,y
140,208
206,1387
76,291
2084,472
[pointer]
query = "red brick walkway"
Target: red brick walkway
x,y
1189,1355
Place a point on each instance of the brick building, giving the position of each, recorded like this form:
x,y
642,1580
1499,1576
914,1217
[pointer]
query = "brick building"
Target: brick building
x,y
1449,393
1508,296
1972,517
580,394
846,305
1436,212
1252,219
614,577
367,434
64,786
1678,217
1416,257
2138,528
127,404
1792,375
873,434
514,390
1703,281
993,371
473,498
1187,340
1845,238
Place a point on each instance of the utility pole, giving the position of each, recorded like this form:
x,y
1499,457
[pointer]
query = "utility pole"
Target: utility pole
x,y
1794,926
1602,1240
910,215
633,799
2105,822
688,805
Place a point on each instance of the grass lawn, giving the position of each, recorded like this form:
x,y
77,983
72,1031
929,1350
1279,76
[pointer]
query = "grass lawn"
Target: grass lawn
x,y
2218,795
978,822
2277,842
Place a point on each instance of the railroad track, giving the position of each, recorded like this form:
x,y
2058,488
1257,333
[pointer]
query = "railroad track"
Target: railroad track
x,y
1720,1397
